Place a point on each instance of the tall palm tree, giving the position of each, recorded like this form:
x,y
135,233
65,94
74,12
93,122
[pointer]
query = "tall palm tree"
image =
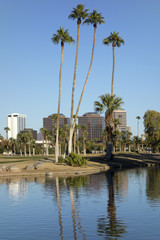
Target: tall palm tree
x,y
7,129
54,118
108,103
138,118
24,139
43,130
20,142
137,142
116,135
115,40
45,134
94,19
78,13
62,36
12,141
66,139
124,137
84,133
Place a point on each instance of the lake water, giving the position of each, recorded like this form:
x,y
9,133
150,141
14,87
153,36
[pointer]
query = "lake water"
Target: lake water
x,y
120,205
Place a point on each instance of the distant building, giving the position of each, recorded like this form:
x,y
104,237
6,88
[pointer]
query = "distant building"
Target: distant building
x,y
16,123
49,123
95,125
34,132
39,136
122,116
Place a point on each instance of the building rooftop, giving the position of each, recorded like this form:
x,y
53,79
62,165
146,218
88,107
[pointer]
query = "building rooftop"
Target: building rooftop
x,y
61,115
91,114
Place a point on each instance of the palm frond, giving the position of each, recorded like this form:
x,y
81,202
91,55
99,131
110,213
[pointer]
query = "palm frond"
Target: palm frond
x,y
62,36
94,18
114,38
79,13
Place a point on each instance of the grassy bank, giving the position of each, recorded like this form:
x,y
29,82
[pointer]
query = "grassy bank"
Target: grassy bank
x,y
96,163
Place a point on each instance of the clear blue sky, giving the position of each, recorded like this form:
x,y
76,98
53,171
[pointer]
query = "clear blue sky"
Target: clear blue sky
x,y
29,61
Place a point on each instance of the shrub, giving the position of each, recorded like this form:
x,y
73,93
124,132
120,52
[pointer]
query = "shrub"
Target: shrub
x,y
61,159
76,160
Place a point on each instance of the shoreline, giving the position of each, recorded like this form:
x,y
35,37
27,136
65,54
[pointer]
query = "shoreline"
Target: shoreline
x,y
96,163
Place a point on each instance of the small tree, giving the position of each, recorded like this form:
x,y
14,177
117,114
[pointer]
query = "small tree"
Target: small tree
x,y
108,103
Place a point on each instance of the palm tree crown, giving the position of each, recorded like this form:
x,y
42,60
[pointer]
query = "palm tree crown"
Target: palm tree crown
x,y
62,36
79,13
115,39
108,102
94,18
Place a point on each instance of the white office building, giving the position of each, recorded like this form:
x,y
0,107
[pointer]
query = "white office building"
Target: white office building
x,y
16,123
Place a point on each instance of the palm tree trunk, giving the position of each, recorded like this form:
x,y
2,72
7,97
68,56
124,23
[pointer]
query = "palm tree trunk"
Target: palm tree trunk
x,y
33,151
113,70
74,78
20,152
74,141
46,146
43,142
84,144
109,129
124,147
74,123
78,151
25,154
59,102
29,146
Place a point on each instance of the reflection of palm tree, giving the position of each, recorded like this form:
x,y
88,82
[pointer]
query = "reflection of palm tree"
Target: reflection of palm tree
x,y
59,208
75,217
73,213
111,226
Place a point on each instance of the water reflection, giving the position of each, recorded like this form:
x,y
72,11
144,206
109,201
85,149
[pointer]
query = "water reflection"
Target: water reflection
x,y
59,208
153,186
111,226
99,206
18,189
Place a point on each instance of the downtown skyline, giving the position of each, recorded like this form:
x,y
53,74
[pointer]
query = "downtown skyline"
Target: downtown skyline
x,y
30,61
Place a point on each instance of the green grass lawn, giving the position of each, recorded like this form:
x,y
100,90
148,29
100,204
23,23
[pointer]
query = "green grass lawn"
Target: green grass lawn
x,y
13,159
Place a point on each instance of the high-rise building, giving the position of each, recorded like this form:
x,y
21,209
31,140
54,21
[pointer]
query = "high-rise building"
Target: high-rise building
x,y
16,123
95,125
121,115
34,132
49,122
